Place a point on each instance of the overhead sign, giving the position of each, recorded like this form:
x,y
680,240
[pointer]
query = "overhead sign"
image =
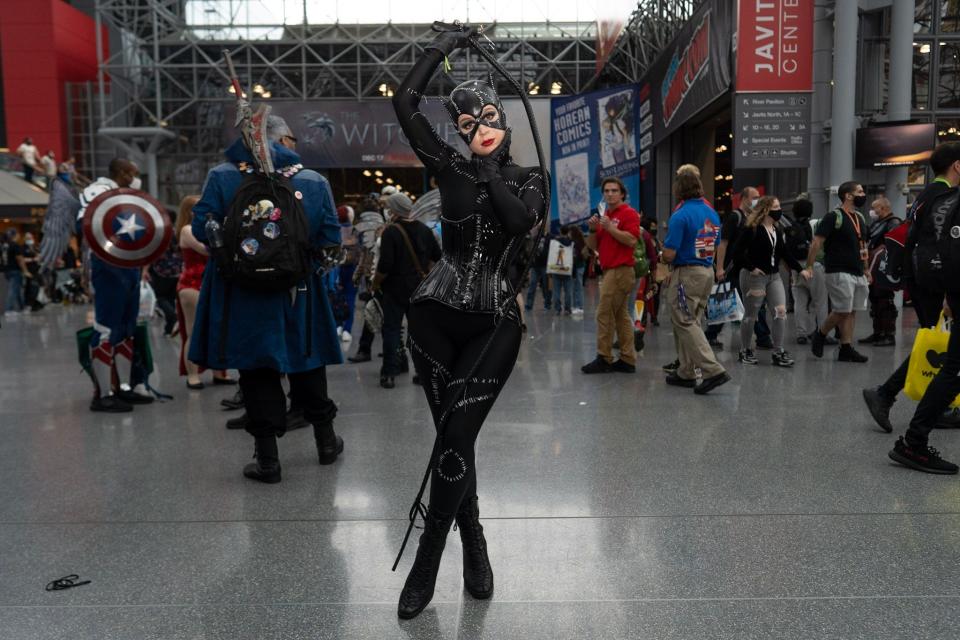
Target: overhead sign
x,y
771,131
775,45
694,69
593,136
336,134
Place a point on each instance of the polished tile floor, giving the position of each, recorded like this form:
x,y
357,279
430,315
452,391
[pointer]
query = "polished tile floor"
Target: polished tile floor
x,y
615,506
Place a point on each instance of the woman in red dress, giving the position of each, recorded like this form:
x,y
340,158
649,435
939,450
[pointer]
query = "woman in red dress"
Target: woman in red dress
x,y
195,257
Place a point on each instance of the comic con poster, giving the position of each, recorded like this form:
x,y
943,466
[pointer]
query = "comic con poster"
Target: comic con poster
x,y
593,137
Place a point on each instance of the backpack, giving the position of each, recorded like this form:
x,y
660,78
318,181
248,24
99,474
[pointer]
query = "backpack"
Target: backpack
x,y
641,262
266,242
886,260
935,238
795,238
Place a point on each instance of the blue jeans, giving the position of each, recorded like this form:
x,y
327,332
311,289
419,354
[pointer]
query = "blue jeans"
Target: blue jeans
x,y
561,284
14,291
349,293
578,287
538,275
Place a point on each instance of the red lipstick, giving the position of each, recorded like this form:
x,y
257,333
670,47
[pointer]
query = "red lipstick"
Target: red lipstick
x,y
487,142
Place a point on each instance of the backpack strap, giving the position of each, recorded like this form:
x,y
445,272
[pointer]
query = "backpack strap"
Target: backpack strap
x,y
413,254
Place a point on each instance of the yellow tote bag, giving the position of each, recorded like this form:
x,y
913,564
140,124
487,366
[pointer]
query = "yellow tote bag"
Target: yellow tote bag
x,y
926,358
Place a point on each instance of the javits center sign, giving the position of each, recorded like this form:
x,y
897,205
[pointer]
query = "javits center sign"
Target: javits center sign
x,y
694,69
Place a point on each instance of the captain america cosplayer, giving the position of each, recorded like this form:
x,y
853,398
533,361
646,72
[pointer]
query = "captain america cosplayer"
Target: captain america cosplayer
x,y
116,302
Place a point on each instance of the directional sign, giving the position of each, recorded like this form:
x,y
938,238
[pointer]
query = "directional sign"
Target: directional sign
x,y
771,130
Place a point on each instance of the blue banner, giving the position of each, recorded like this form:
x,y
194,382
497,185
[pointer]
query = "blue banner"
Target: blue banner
x,y
593,136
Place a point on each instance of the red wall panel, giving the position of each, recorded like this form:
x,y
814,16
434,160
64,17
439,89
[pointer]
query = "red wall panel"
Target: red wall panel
x,y
44,43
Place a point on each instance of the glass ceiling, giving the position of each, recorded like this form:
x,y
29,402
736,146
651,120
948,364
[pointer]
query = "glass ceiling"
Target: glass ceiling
x,y
259,19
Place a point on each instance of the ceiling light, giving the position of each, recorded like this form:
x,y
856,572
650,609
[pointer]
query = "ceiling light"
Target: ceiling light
x,y
925,48
533,88
258,89
399,188
730,177
378,173
556,88
367,172
379,181
389,180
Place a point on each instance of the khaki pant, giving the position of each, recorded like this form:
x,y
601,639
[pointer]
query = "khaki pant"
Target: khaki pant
x,y
692,347
612,317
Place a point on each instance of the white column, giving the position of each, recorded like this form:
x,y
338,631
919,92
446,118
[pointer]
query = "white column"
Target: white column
x,y
899,91
845,22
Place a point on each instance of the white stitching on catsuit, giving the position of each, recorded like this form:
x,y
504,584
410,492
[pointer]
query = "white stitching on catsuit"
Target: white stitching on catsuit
x,y
474,400
438,372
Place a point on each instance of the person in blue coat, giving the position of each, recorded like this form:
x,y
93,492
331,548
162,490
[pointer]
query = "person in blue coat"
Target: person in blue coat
x,y
270,334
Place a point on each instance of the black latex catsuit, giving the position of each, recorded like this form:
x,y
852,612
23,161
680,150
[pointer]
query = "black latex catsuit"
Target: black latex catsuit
x,y
488,206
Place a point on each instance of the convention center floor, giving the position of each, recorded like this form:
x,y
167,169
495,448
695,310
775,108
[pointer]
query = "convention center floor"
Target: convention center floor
x,y
614,506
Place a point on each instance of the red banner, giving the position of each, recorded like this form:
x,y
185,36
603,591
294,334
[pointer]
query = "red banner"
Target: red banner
x,y
775,45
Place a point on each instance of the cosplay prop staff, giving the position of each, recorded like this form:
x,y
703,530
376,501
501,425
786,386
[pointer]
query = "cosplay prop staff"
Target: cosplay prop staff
x,y
464,322
252,125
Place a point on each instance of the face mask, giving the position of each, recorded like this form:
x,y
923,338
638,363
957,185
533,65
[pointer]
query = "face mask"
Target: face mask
x,y
136,183
776,214
469,99
859,201
873,215
754,202
29,243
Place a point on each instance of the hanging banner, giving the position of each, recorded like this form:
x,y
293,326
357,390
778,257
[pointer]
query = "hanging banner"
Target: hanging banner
x,y
775,46
694,69
608,32
338,134
593,136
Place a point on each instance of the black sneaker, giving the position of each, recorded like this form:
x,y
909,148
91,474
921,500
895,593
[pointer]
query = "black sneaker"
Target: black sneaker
x,y
886,340
765,345
360,356
949,420
110,404
622,367
709,384
782,358
677,381
816,343
599,365
132,397
879,407
638,342
849,354
387,382
671,367
716,344
746,356
236,402
925,459
240,422
870,339
802,340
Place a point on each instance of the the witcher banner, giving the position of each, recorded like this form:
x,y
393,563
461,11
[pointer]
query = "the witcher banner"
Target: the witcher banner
x,y
350,134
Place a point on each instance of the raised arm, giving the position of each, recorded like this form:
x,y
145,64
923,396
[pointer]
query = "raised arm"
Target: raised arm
x,y
426,143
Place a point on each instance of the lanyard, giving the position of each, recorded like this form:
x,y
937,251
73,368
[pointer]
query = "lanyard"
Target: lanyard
x,y
855,220
772,235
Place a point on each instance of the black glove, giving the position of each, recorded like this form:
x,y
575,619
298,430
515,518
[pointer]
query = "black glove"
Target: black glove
x,y
449,41
490,165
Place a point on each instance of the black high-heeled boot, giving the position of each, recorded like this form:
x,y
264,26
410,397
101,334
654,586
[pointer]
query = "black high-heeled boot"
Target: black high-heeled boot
x,y
477,572
418,589
267,467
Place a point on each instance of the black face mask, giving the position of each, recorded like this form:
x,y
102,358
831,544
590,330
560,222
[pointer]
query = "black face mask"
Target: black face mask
x,y
776,214
859,201
469,99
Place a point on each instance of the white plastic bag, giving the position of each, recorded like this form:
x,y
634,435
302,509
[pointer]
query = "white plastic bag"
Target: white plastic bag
x,y
724,304
148,302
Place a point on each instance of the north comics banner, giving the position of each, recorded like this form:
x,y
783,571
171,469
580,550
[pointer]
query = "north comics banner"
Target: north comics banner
x,y
694,69
593,136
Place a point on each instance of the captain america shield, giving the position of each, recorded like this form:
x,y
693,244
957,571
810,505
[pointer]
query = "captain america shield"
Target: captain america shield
x,y
127,228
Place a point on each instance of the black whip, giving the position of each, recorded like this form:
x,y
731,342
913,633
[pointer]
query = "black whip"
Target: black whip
x,y
417,507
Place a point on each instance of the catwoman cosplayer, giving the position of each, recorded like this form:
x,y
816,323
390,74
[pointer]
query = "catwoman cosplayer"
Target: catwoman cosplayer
x,y
489,204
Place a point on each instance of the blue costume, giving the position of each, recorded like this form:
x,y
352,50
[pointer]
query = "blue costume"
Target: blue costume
x,y
116,303
266,334
265,330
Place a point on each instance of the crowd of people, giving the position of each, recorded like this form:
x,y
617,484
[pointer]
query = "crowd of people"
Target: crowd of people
x,y
265,276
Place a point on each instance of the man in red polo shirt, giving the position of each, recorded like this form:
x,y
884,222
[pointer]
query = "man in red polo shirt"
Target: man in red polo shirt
x,y
614,235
